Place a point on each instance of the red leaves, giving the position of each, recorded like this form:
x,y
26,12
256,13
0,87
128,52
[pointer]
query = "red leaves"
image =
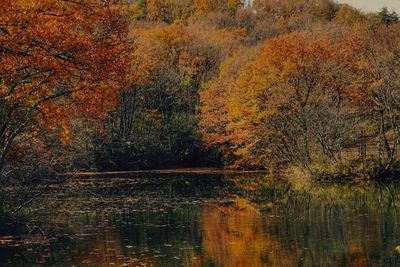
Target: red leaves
x,y
49,49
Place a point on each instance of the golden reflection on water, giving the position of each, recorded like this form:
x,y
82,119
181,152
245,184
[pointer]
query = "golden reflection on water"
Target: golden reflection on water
x,y
234,236
241,236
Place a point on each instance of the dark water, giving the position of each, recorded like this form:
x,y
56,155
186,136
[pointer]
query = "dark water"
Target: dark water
x,y
214,220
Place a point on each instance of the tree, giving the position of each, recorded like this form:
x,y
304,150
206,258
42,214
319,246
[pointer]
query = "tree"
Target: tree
x,y
388,17
156,122
207,6
290,104
379,73
347,15
214,106
57,59
169,10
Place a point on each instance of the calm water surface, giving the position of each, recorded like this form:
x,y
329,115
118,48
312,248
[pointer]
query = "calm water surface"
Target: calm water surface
x,y
214,220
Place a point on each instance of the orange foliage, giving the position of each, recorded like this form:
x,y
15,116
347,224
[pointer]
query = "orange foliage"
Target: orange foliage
x,y
292,72
156,49
168,10
347,15
214,95
206,6
59,58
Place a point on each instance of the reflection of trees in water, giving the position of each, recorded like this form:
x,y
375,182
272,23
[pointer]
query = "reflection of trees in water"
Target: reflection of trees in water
x,y
145,239
234,236
335,226
108,249
100,217
274,223
270,223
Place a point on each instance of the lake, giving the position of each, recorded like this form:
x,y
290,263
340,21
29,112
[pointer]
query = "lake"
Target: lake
x,y
213,220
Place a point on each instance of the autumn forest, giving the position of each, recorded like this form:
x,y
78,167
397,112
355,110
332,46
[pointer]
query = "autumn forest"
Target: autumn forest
x,y
305,85
301,89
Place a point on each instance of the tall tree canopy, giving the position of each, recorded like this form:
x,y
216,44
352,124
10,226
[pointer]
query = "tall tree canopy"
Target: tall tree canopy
x,y
261,81
57,58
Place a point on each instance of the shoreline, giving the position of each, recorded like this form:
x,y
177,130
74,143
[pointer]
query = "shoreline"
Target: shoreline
x,y
166,171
